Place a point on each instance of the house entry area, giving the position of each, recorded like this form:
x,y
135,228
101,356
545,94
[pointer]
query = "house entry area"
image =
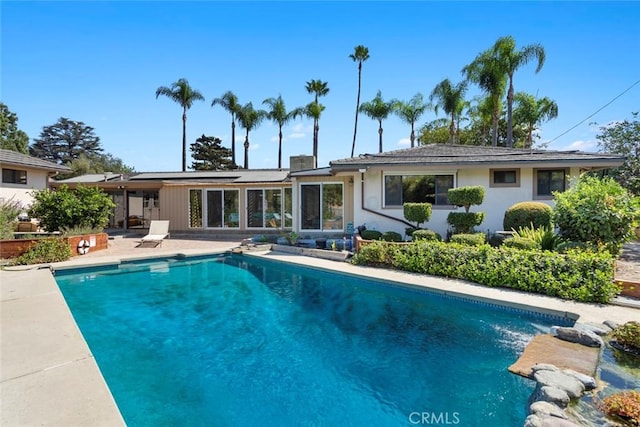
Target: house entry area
x,y
322,206
137,207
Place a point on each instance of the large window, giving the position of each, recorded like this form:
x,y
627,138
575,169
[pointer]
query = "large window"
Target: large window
x,y
267,208
550,180
222,209
13,176
400,189
322,206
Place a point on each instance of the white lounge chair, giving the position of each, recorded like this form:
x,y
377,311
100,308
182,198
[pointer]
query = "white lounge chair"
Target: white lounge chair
x,y
158,231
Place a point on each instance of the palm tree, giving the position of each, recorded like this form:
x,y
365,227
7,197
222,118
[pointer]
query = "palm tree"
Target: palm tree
x,y
319,88
314,110
249,118
410,112
183,94
378,110
510,60
280,116
360,54
229,101
531,112
451,98
488,74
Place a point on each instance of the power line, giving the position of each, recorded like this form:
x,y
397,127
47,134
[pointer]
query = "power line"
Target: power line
x,y
596,112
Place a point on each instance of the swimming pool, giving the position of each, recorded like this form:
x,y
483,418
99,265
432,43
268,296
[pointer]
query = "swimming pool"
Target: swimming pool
x,y
235,340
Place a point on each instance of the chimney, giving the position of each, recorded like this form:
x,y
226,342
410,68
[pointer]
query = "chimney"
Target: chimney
x,y
301,162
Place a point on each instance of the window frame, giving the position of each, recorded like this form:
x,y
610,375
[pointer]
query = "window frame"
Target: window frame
x,y
494,184
283,220
536,195
205,208
322,220
434,174
18,176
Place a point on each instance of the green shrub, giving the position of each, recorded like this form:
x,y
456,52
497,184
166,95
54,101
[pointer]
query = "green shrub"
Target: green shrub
x,y
525,214
466,196
391,236
46,250
79,230
495,239
417,212
544,237
520,243
582,276
568,245
464,222
597,211
64,208
628,335
371,234
426,235
9,211
475,239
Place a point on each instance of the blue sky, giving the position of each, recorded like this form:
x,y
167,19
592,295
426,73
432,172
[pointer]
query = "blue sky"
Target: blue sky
x,y
101,63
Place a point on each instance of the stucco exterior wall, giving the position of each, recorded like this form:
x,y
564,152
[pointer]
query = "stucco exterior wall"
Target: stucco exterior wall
x,y
37,179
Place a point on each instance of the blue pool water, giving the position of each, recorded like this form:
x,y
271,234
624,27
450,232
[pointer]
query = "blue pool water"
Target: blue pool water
x,y
233,341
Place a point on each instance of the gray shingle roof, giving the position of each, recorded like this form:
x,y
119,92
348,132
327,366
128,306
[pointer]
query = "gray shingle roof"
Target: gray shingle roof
x,y
238,176
93,177
8,157
460,155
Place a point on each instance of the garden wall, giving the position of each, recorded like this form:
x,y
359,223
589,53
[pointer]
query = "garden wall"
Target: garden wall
x,y
15,247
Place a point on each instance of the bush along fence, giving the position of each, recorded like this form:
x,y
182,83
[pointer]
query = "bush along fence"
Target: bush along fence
x,y
584,276
16,247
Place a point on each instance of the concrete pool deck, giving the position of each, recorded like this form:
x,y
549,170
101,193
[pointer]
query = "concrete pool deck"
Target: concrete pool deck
x,y
48,375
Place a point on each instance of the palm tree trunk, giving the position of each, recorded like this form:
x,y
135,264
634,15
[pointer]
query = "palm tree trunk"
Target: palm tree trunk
x,y
280,148
510,113
413,136
316,129
355,128
246,150
184,139
380,135
233,141
495,120
452,128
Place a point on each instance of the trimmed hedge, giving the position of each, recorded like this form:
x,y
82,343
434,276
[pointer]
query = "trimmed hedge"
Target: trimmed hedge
x,y
466,196
371,234
391,236
472,239
46,250
417,212
426,235
524,214
464,222
578,275
520,243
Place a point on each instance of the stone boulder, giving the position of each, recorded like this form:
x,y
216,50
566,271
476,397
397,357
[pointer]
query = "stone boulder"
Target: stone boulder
x,y
597,328
589,382
543,408
567,383
584,337
551,394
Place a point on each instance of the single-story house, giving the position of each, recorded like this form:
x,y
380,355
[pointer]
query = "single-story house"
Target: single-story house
x,y
22,174
366,190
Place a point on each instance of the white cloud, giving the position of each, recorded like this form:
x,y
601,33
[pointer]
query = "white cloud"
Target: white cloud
x,y
404,142
582,145
274,139
302,128
254,147
296,135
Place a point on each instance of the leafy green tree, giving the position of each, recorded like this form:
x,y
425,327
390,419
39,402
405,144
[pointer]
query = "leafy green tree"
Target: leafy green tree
x,y
249,119
280,116
623,138
12,138
377,109
596,211
96,163
510,60
450,98
359,55
229,101
210,155
88,207
184,95
9,210
409,112
65,141
318,88
487,72
530,112
314,110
